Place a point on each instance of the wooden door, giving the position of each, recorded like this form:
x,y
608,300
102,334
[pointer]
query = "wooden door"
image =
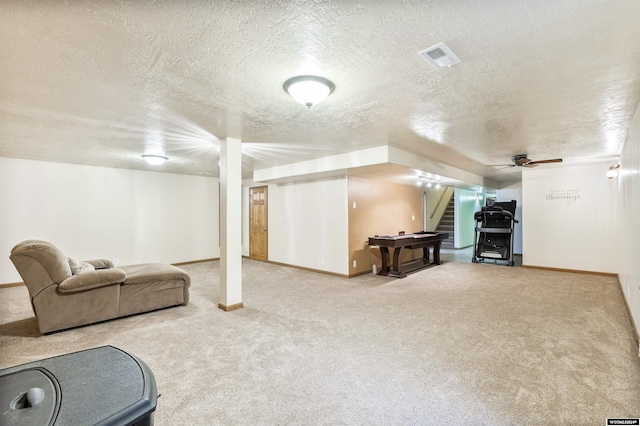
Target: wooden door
x,y
258,233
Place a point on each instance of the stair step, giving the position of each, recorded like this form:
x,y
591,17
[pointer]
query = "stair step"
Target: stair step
x,y
446,224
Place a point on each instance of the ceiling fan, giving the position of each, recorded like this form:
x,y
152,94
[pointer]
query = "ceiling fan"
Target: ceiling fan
x,y
521,160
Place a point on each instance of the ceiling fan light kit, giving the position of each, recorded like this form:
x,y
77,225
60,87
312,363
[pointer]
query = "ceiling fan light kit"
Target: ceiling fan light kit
x,y
309,90
613,171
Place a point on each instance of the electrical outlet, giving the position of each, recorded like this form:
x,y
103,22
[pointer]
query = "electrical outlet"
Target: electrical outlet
x,y
116,261
413,217
354,204
354,263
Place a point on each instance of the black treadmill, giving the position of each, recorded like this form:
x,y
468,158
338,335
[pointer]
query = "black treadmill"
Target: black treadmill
x,y
493,235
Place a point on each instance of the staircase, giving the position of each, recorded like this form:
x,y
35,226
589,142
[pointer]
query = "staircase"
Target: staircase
x,y
446,224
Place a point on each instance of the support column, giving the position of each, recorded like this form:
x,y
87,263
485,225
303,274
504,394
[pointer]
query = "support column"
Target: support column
x,y
230,225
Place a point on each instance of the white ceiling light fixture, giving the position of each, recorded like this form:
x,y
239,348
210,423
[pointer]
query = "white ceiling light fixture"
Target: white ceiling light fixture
x,y
440,56
155,160
309,90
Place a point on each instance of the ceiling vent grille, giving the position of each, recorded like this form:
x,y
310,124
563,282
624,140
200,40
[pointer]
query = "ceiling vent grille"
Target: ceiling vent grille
x,y
440,56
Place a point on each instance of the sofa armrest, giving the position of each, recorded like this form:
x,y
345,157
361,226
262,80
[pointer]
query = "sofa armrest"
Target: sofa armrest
x,y
92,279
100,263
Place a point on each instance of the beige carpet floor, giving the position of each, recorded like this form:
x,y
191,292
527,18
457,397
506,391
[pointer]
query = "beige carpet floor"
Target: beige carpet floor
x,y
455,344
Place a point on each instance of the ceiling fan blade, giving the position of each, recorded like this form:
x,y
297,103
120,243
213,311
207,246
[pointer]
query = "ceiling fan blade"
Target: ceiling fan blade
x,y
531,164
555,160
500,165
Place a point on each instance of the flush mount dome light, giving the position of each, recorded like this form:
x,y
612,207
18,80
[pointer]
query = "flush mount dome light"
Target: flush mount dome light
x,y
309,90
154,160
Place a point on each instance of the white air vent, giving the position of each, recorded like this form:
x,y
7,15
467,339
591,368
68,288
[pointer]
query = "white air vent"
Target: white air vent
x,y
440,56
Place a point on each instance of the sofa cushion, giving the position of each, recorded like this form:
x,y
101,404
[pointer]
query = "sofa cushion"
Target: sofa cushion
x,y
78,266
147,272
52,260
74,265
86,267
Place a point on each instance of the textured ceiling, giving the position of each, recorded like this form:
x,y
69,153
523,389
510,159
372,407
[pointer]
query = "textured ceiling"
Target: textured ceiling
x,y
100,82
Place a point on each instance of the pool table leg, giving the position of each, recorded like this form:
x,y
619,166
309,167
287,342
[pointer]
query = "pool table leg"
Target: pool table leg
x,y
397,260
384,254
436,253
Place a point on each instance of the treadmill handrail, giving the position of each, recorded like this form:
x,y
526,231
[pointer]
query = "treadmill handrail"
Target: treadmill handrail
x,y
495,230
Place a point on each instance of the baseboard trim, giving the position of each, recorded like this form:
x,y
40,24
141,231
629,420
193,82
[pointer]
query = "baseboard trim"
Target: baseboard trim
x,y
575,271
230,308
7,285
335,274
195,261
191,262
636,335
357,274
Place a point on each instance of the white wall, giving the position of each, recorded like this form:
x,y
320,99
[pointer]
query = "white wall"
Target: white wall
x,y
98,212
514,192
629,196
466,204
571,218
308,224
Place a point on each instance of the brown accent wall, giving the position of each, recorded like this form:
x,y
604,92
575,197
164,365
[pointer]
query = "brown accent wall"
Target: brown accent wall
x,y
381,209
